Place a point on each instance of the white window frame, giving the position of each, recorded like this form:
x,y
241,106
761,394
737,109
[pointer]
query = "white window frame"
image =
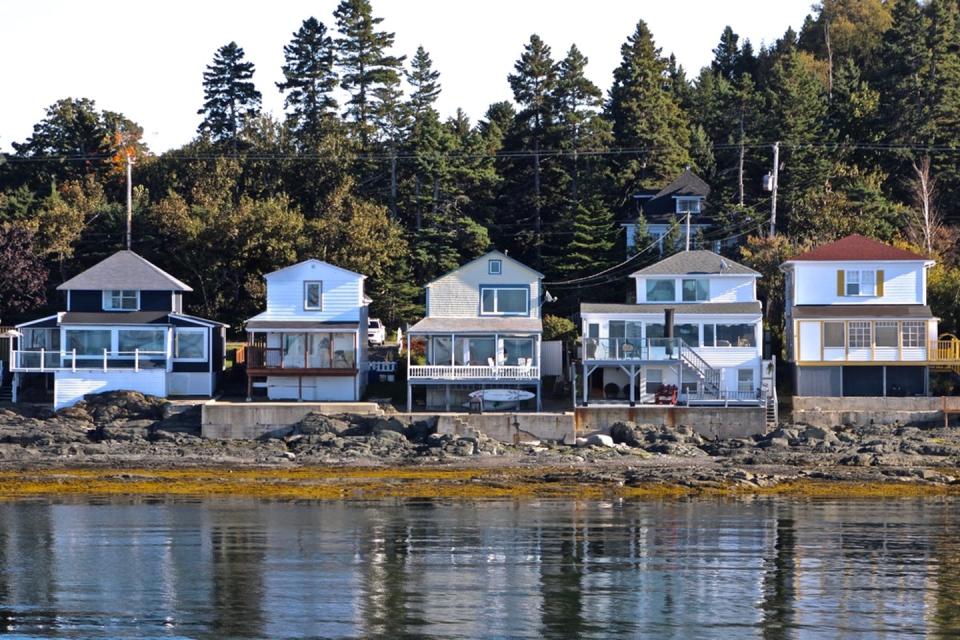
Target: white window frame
x,y
744,386
913,334
694,203
860,278
646,288
696,289
107,299
306,289
495,267
496,301
859,334
176,343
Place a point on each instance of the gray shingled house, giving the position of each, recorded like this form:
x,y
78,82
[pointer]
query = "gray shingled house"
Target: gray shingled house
x,y
123,329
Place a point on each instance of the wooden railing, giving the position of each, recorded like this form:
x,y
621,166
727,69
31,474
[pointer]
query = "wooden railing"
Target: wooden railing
x,y
473,372
948,349
274,358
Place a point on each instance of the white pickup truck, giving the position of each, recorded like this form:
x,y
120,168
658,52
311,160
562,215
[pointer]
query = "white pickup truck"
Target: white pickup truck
x,y
376,332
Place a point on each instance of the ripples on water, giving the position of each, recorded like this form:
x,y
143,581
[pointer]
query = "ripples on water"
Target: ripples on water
x,y
412,569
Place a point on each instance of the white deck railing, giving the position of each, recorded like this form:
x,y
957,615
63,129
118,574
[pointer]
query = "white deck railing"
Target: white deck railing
x,y
470,372
43,361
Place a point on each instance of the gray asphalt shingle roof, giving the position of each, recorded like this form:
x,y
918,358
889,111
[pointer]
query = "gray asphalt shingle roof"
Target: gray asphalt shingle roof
x,y
124,270
902,311
477,325
697,262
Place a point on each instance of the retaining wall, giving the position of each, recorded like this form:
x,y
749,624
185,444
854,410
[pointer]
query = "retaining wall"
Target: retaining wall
x,y
709,422
243,420
829,412
511,428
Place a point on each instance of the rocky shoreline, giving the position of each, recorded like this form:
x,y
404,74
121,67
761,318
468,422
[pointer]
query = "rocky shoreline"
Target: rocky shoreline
x,y
129,430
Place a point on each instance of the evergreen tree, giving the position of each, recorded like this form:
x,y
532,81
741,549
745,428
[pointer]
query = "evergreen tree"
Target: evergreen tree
x,y
424,82
797,109
309,78
229,95
646,117
369,75
726,55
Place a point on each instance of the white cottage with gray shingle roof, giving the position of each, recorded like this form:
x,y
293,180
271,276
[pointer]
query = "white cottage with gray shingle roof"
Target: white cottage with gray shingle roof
x,y
123,329
482,331
696,327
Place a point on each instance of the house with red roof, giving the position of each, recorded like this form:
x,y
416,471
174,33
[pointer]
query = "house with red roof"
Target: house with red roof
x,y
857,320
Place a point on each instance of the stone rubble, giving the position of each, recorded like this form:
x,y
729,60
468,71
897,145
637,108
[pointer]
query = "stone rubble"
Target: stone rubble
x,y
128,428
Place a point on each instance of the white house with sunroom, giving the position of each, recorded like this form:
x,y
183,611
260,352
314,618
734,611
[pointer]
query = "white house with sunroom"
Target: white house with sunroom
x,y
123,329
696,327
482,331
857,321
311,341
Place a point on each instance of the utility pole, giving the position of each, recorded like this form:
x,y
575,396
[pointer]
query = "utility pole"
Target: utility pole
x,y
774,179
688,231
129,198
393,183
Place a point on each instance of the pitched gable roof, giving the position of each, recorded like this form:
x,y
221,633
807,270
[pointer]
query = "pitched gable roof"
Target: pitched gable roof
x,y
686,184
490,254
697,262
314,261
660,205
856,247
124,270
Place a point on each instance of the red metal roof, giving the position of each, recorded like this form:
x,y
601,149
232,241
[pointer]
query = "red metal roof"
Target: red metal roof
x,y
857,247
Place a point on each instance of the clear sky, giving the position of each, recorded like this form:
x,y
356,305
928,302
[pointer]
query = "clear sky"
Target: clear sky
x,y
146,58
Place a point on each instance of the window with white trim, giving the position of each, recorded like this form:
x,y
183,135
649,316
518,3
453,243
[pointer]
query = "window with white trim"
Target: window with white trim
x,y
833,335
859,334
860,282
661,290
121,300
913,333
744,380
688,205
654,380
885,334
313,295
504,301
495,267
190,344
695,289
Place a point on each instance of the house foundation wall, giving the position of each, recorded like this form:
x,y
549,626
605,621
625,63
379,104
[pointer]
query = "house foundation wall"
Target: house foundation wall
x,y
511,428
709,422
228,421
829,411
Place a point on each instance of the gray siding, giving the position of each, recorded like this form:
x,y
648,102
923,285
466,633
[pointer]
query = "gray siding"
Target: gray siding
x,y
819,381
457,294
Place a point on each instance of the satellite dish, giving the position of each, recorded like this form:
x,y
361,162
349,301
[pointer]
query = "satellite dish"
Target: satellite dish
x,y
547,297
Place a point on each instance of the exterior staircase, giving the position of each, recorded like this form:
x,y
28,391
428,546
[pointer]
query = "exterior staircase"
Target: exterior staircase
x,y
708,376
6,385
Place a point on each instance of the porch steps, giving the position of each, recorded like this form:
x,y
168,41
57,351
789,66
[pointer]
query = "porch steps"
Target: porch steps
x,y
707,374
772,418
6,388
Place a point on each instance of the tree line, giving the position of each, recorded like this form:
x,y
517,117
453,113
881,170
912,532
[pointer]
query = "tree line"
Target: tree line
x,y
363,171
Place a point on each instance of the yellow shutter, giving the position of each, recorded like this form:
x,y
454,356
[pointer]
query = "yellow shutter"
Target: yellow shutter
x,y
840,290
880,282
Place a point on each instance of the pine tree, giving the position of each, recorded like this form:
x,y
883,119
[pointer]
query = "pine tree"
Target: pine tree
x,y
309,78
229,95
646,117
424,81
369,75
726,55
797,109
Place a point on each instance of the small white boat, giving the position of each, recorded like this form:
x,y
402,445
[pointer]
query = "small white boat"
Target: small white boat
x,y
501,395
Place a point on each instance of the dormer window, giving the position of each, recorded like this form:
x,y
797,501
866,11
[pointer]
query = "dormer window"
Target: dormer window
x,y
313,296
121,300
495,267
688,205
661,290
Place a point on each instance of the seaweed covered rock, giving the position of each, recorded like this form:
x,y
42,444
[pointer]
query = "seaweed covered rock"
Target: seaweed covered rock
x,y
113,406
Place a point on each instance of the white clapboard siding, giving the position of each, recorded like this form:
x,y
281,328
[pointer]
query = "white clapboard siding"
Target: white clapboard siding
x,y
903,283
69,387
189,384
342,293
457,294
317,389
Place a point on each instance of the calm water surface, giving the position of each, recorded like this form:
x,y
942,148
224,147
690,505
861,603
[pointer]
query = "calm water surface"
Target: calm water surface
x,y
508,569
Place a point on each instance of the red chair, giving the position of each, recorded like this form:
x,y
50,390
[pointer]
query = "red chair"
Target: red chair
x,y
666,394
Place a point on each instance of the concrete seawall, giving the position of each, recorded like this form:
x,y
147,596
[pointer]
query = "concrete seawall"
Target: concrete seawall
x,y
828,412
709,422
249,420
511,428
